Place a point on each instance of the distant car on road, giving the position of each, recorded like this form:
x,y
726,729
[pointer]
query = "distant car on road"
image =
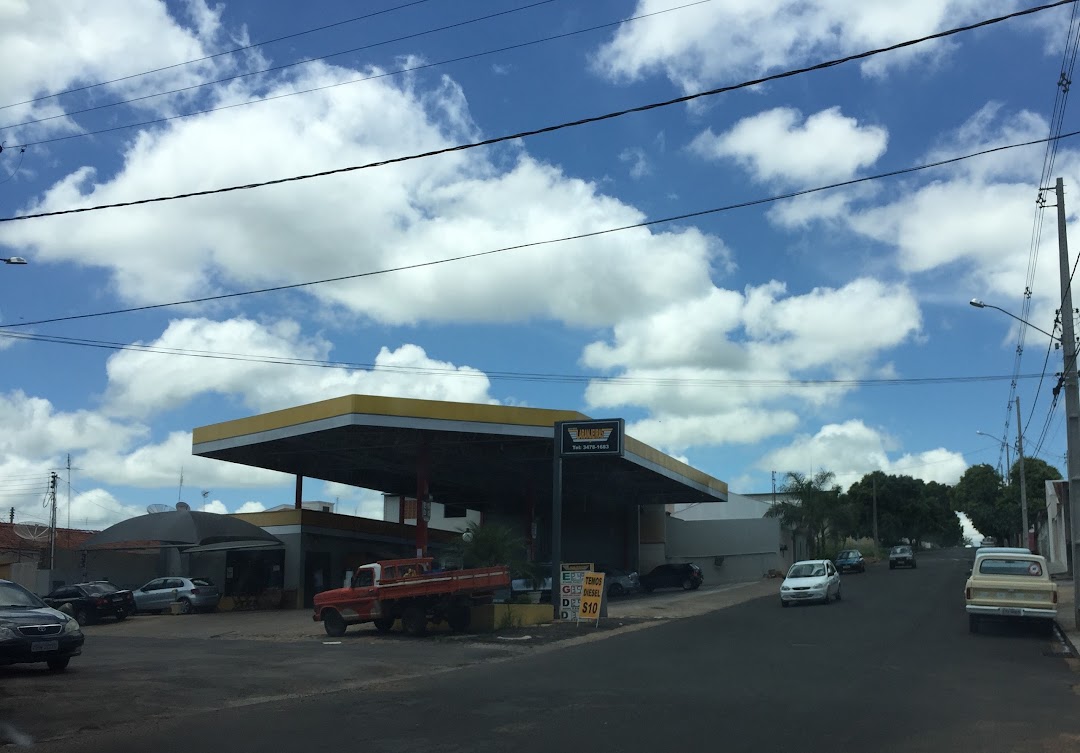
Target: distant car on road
x,y
193,595
809,581
90,602
31,631
901,556
1010,585
686,576
620,582
850,561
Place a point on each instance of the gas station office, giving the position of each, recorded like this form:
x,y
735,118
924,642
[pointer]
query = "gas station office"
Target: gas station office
x,y
498,460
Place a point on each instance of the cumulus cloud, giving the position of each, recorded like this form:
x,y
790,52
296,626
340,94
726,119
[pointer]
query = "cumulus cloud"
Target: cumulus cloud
x,y
406,214
638,161
722,368
215,506
728,40
852,449
143,383
779,145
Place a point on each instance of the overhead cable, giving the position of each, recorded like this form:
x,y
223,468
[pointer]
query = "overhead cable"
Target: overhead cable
x,y
559,126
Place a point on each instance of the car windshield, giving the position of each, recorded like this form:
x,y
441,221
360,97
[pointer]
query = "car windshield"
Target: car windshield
x,y
901,550
1028,568
12,595
98,589
806,570
850,555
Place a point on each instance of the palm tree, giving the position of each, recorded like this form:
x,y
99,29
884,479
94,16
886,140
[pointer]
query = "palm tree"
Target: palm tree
x,y
810,505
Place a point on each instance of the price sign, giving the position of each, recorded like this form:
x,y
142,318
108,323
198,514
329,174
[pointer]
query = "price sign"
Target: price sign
x,y
592,593
571,583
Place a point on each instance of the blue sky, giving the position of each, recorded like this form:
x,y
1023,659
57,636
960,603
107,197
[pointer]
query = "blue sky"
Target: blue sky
x,y
745,341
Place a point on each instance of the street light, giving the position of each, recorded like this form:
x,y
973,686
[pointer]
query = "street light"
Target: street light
x,y
1002,442
13,260
980,305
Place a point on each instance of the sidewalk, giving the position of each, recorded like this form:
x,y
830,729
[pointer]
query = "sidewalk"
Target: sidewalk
x,y
680,604
1066,618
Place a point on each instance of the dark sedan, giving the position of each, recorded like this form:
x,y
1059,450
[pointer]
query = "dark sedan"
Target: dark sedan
x,y
687,577
850,561
30,631
89,602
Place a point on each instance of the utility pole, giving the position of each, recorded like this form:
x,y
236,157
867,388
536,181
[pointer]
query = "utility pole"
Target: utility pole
x,y
1072,398
876,540
52,528
1023,479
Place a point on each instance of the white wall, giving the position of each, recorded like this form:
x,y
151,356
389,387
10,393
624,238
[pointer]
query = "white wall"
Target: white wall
x,y
737,507
439,521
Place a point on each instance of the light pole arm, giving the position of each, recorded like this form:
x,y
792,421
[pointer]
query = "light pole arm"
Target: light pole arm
x,y
980,305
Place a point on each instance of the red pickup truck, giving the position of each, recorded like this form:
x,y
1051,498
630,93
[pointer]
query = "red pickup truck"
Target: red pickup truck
x,y
411,590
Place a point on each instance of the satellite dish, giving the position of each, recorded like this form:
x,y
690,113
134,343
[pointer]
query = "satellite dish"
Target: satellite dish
x,y
31,531
183,507
158,507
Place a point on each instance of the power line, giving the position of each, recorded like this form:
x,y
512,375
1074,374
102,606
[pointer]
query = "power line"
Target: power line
x,y
271,69
530,244
385,74
216,54
560,126
511,375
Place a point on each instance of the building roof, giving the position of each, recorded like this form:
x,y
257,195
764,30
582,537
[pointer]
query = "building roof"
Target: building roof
x,y
66,538
478,454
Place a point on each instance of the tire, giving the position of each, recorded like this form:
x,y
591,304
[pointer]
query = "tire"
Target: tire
x,y
828,599
973,623
384,624
687,584
914,565
459,619
838,595
185,606
616,590
414,620
784,604
82,617
334,624
121,616
697,585
648,589
892,565
58,665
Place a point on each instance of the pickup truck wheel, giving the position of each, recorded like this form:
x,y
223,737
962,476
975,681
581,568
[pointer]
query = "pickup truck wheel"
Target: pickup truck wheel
x,y
414,621
384,624
973,623
459,619
334,624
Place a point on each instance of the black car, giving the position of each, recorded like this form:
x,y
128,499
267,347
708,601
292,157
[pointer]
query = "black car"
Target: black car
x,y
686,576
89,602
31,631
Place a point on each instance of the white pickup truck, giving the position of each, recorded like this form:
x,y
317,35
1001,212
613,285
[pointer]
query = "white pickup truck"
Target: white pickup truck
x,y
1010,585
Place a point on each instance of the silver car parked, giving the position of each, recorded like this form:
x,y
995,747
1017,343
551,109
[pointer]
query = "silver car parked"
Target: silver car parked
x,y
193,595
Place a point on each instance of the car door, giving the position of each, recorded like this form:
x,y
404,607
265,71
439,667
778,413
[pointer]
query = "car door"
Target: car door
x,y
834,578
151,596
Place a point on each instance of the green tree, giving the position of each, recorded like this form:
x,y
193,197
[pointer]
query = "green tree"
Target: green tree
x,y
980,495
812,505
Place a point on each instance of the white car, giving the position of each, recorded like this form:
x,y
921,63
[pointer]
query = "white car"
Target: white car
x,y
810,580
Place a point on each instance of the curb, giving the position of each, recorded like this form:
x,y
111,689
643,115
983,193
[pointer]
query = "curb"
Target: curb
x,y
1066,642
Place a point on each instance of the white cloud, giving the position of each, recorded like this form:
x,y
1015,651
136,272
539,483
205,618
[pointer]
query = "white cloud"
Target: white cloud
x,y
719,369
54,45
779,145
639,163
143,383
353,500
410,213
215,506
251,506
728,40
852,449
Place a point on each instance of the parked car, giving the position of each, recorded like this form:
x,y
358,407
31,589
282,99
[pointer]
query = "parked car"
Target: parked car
x,y
193,595
31,631
687,576
850,561
620,582
1010,585
90,602
809,581
901,556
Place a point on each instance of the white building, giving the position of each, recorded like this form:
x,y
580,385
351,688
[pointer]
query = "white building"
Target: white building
x,y
443,518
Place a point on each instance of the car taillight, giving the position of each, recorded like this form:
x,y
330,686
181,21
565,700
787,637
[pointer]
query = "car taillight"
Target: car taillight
x,y
101,601
194,592
967,593
1055,597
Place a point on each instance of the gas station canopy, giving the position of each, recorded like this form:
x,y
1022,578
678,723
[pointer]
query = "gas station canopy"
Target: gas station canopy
x,y
474,455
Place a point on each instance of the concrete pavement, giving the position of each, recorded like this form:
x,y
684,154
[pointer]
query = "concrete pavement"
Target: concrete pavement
x,y
891,668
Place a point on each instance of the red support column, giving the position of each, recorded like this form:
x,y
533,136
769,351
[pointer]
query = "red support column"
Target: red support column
x,y
299,504
423,463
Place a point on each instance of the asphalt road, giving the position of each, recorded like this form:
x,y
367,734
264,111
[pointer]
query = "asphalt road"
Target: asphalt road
x,y
890,668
